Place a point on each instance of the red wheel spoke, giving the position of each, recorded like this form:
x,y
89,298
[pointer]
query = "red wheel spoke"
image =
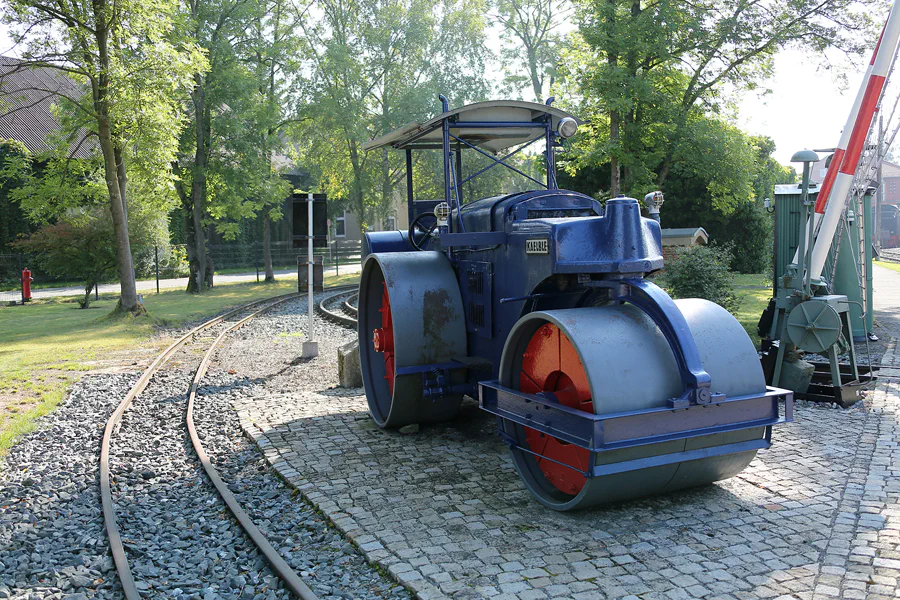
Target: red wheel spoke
x,y
383,339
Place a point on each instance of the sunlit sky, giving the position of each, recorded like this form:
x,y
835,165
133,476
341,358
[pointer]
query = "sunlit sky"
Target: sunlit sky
x,y
806,108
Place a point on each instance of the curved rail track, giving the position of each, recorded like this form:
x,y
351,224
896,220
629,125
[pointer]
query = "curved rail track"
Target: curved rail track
x,y
290,578
340,308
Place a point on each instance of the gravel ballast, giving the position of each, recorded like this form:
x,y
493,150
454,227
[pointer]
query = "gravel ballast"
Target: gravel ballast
x,y
52,541
180,540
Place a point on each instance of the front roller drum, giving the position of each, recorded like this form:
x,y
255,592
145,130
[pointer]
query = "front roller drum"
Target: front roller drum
x,y
410,317
613,359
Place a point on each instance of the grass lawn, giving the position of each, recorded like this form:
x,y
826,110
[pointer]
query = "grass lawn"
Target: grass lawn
x,y
46,345
754,292
888,265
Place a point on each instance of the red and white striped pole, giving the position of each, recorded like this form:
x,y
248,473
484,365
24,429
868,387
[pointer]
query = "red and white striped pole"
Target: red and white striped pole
x,y
838,156
835,189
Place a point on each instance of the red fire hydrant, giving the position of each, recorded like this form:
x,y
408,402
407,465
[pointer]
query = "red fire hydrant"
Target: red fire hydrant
x,y
26,285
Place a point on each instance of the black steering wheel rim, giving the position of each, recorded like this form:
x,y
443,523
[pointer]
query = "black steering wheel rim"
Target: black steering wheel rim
x,y
419,245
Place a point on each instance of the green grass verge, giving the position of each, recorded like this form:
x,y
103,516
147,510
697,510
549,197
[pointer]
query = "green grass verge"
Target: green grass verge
x,y
46,345
888,265
754,292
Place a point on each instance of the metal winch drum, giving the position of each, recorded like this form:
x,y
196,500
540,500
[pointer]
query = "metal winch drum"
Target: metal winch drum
x,y
536,304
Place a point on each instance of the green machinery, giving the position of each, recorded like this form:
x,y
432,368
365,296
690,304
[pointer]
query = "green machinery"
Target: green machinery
x,y
817,317
854,259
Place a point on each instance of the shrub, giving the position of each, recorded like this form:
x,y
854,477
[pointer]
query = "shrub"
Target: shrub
x,y
83,250
703,272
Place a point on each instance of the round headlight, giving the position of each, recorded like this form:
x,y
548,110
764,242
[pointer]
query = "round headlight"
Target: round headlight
x,y
567,127
442,212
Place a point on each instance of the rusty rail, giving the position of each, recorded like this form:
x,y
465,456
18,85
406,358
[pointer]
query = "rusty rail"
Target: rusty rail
x,y
117,549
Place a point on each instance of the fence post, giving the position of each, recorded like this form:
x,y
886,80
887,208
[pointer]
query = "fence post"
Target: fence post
x,y
156,260
256,259
97,291
21,283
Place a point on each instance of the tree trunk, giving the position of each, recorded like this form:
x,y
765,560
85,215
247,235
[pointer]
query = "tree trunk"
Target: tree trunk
x,y
128,301
210,271
199,236
88,288
267,247
197,282
193,264
537,85
123,179
612,59
615,173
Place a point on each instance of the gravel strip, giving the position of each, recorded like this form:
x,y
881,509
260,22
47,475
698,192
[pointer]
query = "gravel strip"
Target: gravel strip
x,y
180,540
52,541
330,565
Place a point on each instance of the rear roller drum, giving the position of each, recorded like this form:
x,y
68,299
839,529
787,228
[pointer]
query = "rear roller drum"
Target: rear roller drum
x,y
614,359
410,316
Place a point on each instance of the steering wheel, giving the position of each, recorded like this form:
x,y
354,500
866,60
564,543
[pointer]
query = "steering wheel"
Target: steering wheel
x,y
417,227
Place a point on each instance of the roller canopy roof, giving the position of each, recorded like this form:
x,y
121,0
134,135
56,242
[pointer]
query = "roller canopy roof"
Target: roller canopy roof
x,y
429,135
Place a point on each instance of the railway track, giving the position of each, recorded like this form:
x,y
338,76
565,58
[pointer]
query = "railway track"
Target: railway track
x,y
340,307
225,323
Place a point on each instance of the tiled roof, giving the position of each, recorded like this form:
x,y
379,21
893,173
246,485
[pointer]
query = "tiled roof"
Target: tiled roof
x,y
26,97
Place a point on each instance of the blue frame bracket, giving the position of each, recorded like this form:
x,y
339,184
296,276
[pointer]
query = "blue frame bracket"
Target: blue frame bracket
x,y
663,311
605,432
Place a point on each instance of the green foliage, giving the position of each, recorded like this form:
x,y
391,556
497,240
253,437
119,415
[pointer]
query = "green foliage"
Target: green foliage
x,y
85,250
703,272
531,45
740,222
367,80
656,81
128,69
13,167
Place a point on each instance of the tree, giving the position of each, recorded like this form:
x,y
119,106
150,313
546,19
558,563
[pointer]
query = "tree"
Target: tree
x,y
741,222
130,73
375,66
83,250
206,152
275,48
646,73
240,110
531,41
13,221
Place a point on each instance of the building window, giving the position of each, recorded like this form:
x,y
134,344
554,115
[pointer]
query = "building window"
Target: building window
x,y
390,223
340,227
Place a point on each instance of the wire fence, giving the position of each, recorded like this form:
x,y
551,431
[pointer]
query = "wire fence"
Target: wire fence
x,y
233,258
170,262
11,266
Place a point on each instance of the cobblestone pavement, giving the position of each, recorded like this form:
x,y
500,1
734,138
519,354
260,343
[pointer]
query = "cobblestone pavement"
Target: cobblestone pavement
x,y
815,517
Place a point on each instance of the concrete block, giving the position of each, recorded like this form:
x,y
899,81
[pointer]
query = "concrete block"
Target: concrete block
x,y
349,372
796,375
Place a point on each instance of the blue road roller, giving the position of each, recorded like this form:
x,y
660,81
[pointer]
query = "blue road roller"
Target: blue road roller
x,y
537,304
